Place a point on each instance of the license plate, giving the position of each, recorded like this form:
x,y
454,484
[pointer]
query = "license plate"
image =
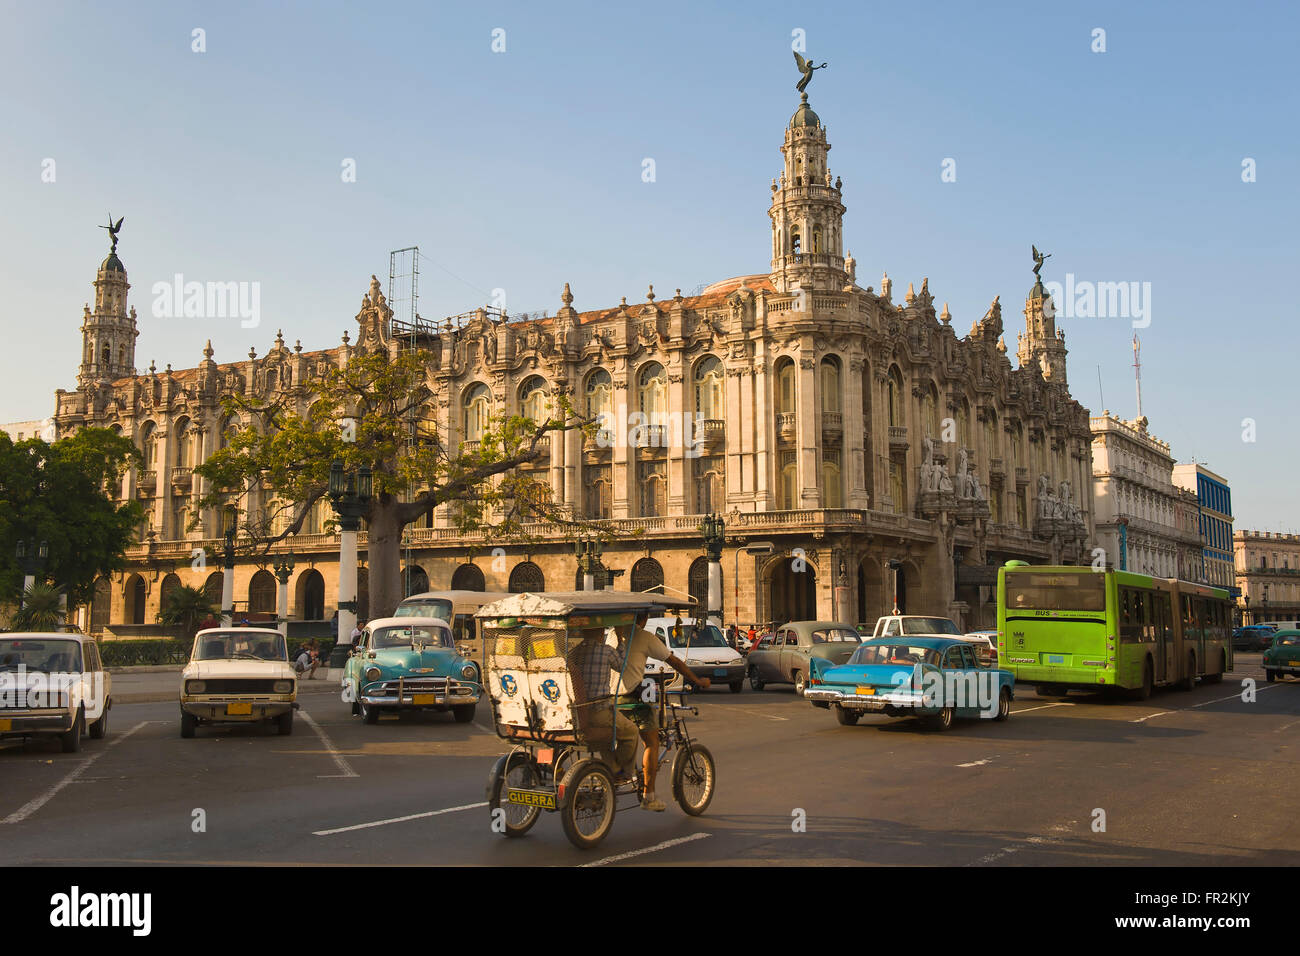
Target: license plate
x,y
239,710
719,672
6,725
866,691
1293,663
420,699
532,798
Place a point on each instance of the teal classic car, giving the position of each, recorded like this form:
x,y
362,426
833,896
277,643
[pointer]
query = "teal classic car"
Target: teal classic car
x,y
410,663
1283,656
935,678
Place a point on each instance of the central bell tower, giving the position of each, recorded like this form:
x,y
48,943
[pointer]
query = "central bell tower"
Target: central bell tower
x,y
807,214
108,333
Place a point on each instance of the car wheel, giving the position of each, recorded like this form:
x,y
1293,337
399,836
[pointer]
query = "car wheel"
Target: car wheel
x,y
1189,679
942,720
1004,704
464,713
754,682
1269,676
846,718
737,686
800,683
71,739
188,723
369,714
99,729
284,723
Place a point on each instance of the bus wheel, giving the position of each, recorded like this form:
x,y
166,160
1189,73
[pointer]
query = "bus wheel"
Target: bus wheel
x,y
1189,678
1148,681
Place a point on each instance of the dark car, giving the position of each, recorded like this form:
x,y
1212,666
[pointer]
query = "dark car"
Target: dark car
x,y
783,657
1252,637
1283,657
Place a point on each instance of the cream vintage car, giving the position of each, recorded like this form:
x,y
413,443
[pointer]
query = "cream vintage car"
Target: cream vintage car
x,y
238,675
53,683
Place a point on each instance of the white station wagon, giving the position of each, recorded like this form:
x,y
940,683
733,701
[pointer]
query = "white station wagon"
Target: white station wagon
x,y
238,675
53,683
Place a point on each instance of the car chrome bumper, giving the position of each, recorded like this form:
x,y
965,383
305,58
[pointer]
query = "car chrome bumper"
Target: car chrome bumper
x,y
216,711
22,723
457,695
864,701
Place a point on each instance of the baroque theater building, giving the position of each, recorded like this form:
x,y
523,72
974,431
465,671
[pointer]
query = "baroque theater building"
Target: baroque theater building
x,y
852,444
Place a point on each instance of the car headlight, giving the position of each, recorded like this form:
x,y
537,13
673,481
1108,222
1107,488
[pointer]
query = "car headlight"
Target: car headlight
x,y
195,687
373,673
469,672
283,687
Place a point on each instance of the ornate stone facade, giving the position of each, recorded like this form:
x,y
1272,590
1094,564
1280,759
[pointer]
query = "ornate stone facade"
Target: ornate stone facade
x,y
817,416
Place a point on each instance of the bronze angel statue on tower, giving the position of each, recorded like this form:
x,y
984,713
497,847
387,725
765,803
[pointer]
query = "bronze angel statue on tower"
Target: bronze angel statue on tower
x,y
806,68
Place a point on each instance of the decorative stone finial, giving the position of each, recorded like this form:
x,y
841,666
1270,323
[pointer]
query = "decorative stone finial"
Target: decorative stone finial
x,y
279,338
346,337
168,370
297,345
945,315
566,296
153,369
911,294
678,296
252,352
1002,346
886,286
207,351
650,296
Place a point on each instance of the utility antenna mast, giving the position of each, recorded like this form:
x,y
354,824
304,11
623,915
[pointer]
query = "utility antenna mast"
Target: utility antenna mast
x,y
1137,370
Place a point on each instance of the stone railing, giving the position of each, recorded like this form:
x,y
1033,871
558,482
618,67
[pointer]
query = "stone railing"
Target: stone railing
x,y
898,436
182,481
787,426
146,483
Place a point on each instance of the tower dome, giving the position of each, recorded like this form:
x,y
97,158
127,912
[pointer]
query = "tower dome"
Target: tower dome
x,y
804,115
112,264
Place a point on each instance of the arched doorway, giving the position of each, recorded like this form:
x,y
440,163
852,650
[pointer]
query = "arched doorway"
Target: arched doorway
x,y
311,595
100,605
135,598
793,590
871,591
261,593
417,581
468,577
526,576
647,575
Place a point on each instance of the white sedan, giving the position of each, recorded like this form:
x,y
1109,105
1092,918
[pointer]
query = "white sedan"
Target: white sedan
x,y
238,675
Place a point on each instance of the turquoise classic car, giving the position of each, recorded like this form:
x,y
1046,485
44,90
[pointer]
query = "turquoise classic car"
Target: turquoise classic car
x,y
935,678
410,663
1283,656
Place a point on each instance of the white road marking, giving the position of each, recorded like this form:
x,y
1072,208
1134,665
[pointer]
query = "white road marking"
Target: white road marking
x,y
413,816
482,728
1030,842
25,811
1062,703
650,849
1204,703
339,760
976,763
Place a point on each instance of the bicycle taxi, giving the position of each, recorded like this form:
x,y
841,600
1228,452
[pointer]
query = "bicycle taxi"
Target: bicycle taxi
x,y
561,732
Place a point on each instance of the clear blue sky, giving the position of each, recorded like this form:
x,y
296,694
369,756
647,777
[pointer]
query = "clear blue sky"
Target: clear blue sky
x,y
522,170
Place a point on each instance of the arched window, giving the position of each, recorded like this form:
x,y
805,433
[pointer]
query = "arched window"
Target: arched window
x,y
121,355
212,588
149,446
832,484
895,396
785,387
526,576
534,403
169,584
794,239
930,412
261,593
417,581
468,577
478,406
789,476
181,519
991,434
599,491
647,575
184,443
317,517
654,489
830,382
311,595
229,425
107,355
697,582
600,398
652,392
817,239
710,493
708,388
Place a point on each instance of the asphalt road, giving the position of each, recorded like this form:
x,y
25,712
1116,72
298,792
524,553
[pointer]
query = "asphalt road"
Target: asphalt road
x,y
1199,778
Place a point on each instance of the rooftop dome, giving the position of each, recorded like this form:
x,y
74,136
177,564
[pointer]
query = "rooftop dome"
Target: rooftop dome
x,y
112,264
804,115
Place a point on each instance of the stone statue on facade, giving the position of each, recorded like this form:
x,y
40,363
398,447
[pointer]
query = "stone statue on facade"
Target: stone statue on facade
x,y
928,467
963,480
1039,259
975,491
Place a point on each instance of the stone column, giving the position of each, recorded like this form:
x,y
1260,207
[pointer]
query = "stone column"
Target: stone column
x,y
228,593
679,472
347,592
808,434
282,601
715,590
853,460
622,472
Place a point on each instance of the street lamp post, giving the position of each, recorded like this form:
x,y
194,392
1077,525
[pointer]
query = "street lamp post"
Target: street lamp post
x,y
714,531
283,568
1246,614
229,518
894,565
588,552
350,496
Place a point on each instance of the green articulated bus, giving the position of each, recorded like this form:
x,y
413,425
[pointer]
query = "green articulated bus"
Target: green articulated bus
x,y
1075,627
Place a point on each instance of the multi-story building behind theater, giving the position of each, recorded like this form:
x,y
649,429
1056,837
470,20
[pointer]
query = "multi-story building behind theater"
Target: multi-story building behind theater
x,y
1214,502
866,441
1267,565
1144,522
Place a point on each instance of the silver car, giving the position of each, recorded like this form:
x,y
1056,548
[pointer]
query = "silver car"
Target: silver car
x,y
783,657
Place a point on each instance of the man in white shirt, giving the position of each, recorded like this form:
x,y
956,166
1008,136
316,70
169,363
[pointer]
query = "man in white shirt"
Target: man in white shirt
x,y
638,706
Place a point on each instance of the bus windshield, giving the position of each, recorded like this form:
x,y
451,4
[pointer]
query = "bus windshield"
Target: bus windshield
x,y
1055,592
429,607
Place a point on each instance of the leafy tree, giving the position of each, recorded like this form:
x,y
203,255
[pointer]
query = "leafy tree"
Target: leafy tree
x,y
40,611
378,411
61,493
185,609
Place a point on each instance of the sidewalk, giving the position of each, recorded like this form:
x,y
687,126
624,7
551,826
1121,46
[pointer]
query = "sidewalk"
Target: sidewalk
x,y
153,685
